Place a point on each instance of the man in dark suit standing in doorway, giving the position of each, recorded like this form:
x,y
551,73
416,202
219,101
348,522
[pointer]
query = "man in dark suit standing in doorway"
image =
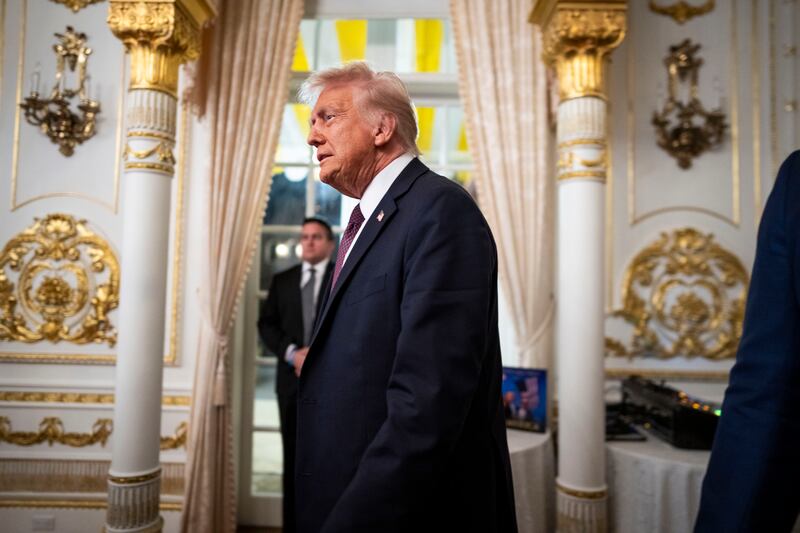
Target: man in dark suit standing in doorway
x,y
285,324
400,418
751,482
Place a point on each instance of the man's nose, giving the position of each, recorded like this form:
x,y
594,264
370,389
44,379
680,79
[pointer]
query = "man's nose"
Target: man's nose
x,y
314,138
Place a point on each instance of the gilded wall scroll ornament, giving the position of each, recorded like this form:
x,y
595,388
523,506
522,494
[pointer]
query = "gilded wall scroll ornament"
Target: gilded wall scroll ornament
x,y
682,11
178,440
77,5
51,431
65,281
683,295
54,114
694,130
577,42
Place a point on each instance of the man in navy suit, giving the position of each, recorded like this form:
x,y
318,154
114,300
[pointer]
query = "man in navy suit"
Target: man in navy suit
x,y
752,478
285,324
400,420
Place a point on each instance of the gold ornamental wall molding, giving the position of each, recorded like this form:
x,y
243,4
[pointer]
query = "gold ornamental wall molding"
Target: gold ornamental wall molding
x,y
683,295
578,38
46,503
80,398
159,35
76,5
682,11
58,282
51,431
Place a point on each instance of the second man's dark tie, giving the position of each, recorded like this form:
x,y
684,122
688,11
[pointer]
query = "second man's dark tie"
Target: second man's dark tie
x,y
307,294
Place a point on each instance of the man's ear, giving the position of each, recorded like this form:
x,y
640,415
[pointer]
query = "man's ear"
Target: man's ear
x,y
385,129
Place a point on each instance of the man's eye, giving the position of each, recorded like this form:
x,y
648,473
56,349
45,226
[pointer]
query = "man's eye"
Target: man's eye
x,y
328,117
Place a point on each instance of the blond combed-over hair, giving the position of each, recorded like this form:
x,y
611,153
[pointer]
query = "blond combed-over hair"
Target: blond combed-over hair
x,y
383,92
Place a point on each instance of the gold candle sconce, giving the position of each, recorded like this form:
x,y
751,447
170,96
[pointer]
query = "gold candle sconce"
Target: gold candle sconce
x,y
684,128
54,114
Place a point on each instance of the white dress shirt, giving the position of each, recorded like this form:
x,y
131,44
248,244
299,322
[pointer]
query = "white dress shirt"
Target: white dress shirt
x,y
376,190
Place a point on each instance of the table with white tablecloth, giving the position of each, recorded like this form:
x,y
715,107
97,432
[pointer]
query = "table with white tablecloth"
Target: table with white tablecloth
x,y
532,466
654,487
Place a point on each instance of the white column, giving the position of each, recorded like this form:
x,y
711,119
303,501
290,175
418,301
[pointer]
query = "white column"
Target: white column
x,y
134,477
158,36
578,37
581,487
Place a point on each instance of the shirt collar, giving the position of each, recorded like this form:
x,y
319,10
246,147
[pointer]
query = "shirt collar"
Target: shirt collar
x,y
319,268
381,183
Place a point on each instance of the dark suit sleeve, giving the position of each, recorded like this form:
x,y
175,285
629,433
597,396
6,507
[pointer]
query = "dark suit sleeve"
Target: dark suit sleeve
x,y
751,480
448,298
269,322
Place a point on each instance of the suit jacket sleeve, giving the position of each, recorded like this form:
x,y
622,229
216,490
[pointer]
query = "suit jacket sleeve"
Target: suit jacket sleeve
x,y
447,300
751,480
274,336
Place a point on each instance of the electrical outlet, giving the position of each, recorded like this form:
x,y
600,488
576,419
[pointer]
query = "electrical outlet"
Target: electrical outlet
x,y
44,522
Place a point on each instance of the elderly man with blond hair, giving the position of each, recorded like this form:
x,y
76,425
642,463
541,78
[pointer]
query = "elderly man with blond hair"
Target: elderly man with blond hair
x,y
400,417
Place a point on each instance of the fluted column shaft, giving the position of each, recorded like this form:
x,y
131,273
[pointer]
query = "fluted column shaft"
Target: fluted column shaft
x,y
578,38
158,35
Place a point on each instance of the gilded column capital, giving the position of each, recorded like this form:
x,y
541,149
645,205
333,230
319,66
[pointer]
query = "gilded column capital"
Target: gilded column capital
x,y
159,35
578,38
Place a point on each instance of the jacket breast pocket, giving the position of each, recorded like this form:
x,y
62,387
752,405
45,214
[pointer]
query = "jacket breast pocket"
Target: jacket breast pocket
x,y
364,290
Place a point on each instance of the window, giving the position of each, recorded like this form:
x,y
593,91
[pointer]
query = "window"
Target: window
x,y
422,53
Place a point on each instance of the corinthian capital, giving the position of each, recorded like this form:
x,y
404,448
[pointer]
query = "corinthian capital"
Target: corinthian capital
x,y
159,35
578,38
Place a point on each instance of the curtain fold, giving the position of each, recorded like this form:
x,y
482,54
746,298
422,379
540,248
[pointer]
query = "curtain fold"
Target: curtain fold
x,y
249,67
503,84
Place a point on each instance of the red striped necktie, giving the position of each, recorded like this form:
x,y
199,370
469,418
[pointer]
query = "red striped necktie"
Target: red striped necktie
x,y
350,232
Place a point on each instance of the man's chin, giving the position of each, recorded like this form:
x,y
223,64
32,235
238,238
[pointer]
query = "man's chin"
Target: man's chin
x,y
330,180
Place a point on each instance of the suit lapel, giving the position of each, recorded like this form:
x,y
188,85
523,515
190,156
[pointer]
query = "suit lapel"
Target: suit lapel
x,y
372,229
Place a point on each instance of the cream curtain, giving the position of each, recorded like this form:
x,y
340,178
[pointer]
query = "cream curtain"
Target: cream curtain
x,y
251,56
503,85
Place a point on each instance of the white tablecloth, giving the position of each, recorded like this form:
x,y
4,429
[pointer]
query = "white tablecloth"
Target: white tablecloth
x,y
532,466
654,487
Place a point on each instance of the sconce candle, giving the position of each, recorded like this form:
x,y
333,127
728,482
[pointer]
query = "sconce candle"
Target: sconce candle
x,y
35,81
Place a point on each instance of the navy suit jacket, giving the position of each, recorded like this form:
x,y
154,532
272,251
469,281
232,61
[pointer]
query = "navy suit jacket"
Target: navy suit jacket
x,y
751,482
400,420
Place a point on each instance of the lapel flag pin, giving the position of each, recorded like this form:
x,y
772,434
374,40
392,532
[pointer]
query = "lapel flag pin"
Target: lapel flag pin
x,y
380,215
